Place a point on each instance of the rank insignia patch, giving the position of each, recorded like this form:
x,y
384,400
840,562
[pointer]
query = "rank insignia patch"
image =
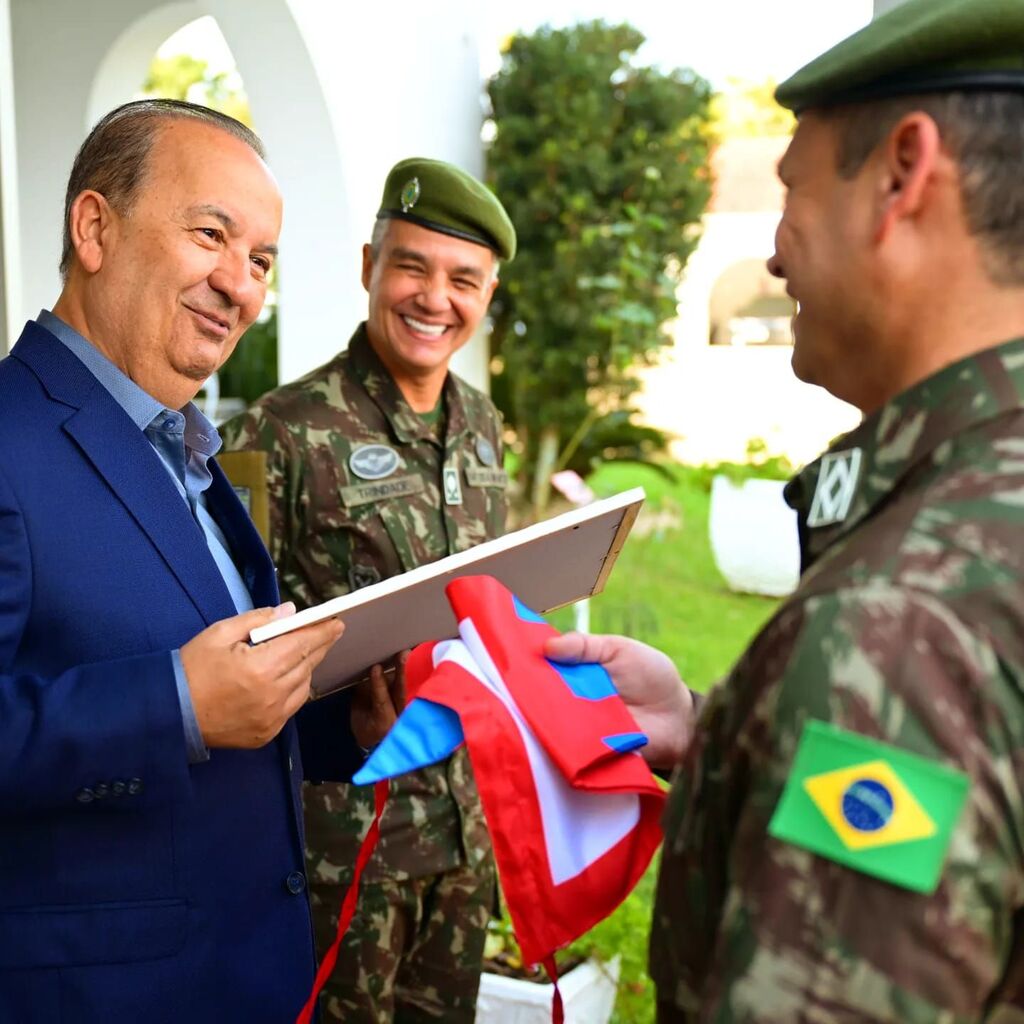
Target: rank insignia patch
x,y
871,806
837,486
452,486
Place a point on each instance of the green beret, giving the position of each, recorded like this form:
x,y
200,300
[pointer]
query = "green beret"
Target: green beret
x,y
919,46
444,198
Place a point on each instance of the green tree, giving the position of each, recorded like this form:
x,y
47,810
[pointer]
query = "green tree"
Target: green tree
x,y
748,110
603,167
184,77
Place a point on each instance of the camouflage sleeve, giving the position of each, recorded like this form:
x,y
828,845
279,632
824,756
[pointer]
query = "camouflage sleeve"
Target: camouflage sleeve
x,y
259,429
789,934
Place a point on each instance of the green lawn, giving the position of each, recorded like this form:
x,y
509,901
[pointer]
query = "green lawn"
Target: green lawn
x,y
666,591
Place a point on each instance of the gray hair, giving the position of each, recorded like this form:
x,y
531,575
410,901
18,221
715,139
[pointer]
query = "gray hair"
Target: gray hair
x,y
114,157
984,132
380,229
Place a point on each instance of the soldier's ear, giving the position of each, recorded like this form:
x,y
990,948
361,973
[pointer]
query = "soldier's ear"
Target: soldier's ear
x,y
367,266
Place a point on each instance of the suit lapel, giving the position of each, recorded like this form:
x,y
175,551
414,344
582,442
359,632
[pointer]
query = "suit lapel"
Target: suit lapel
x,y
120,453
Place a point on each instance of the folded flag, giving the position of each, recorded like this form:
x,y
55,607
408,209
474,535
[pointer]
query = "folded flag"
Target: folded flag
x,y
572,809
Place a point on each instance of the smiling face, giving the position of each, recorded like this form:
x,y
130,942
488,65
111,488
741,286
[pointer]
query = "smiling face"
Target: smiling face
x,y
166,289
428,293
821,247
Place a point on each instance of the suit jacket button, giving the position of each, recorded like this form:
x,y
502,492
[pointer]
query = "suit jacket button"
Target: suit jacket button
x,y
119,787
85,795
134,787
295,882
100,790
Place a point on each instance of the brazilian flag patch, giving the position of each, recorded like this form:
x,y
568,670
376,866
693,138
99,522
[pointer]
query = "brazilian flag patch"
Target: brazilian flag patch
x,y
870,806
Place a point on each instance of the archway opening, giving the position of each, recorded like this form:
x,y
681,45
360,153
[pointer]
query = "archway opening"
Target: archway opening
x,y
750,307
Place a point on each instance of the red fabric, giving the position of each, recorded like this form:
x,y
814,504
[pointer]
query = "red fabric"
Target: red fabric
x,y
546,914
348,905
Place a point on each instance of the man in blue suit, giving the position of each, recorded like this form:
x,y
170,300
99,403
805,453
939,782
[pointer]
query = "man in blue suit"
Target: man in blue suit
x,y
150,836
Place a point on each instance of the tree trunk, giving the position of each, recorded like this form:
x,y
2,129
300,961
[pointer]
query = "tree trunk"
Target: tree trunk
x,y
547,458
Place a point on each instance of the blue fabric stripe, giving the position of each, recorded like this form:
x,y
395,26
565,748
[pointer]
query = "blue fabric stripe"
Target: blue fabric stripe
x,y
624,742
424,734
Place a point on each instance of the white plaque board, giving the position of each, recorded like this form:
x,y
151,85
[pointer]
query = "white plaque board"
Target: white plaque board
x,y
546,565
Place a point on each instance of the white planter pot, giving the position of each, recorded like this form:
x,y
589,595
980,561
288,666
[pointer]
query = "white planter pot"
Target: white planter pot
x,y
588,995
754,536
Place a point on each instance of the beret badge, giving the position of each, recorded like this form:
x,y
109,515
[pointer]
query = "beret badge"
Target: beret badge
x,y
410,194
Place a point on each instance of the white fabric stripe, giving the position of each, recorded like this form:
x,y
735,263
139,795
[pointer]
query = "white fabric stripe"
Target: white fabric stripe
x,y
579,827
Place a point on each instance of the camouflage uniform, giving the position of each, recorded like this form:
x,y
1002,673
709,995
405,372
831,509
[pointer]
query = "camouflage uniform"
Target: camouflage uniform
x,y
907,626
415,947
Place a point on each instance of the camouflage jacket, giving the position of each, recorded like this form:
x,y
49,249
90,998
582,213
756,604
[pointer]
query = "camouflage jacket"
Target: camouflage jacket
x,y
907,626
340,520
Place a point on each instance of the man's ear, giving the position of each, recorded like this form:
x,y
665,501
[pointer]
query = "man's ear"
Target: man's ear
x,y
910,158
367,266
88,221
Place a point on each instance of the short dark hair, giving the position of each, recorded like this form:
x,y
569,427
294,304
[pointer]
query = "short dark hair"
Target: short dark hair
x,y
113,158
984,131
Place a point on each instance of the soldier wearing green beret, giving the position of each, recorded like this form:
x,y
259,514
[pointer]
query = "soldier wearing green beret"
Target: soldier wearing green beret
x,y
845,833
376,463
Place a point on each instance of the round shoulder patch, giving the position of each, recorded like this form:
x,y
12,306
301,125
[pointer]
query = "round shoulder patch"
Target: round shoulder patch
x,y
485,451
373,461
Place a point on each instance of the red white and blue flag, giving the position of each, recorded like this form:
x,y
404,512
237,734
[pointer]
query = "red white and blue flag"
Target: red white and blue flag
x,y
572,808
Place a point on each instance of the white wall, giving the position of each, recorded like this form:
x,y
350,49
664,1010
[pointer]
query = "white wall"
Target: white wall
x,y
401,79
338,94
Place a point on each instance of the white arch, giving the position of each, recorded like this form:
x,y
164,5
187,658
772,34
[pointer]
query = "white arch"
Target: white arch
x,y
336,93
123,69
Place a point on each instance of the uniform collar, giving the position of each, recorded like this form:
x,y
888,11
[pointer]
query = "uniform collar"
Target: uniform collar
x,y
381,387
836,492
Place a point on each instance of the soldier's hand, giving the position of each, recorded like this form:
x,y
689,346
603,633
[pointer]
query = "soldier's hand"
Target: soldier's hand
x,y
242,694
648,684
377,702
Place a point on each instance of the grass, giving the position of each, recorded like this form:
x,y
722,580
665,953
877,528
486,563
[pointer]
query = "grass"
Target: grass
x,y
666,591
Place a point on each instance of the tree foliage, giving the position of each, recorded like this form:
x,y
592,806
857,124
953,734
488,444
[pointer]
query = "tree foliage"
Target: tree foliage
x,y
745,109
603,167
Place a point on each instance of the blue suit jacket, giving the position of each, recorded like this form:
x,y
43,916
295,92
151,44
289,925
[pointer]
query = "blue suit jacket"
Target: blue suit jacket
x,y
133,886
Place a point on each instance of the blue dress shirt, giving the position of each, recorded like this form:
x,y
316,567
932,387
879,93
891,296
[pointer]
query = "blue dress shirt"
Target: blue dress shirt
x,y
185,441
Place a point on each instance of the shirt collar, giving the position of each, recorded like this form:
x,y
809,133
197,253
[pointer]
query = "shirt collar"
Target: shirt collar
x,y
859,471
141,407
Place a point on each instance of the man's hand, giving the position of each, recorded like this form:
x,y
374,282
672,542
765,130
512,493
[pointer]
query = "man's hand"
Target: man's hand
x,y
377,703
647,682
242,694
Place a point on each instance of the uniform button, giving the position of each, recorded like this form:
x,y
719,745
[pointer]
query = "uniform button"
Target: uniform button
x,y
119,787
134,787
295,882
85,795
101,790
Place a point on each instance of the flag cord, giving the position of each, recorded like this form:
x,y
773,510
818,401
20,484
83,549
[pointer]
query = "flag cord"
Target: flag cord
x,y
348,904
557,1011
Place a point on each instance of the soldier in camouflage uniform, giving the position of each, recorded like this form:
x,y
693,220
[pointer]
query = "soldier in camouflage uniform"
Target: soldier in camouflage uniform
x,y
379,462
906,633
